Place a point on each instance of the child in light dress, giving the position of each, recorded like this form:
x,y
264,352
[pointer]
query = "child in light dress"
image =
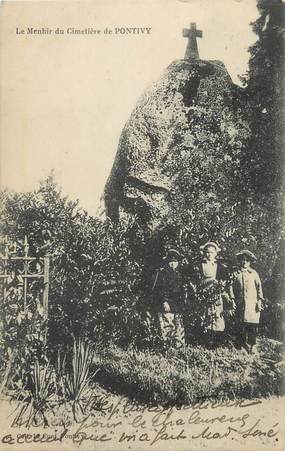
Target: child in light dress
x,y
249,298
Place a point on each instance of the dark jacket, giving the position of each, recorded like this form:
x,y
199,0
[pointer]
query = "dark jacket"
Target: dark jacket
x,y
167,287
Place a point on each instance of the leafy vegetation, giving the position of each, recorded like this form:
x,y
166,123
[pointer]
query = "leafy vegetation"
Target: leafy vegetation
x,y
49,386
93,272
95,294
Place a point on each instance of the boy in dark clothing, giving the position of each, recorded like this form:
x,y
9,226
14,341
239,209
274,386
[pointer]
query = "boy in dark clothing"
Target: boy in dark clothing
x,y
168,299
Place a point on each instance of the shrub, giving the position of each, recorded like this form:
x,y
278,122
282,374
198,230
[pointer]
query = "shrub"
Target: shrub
x,y
93,270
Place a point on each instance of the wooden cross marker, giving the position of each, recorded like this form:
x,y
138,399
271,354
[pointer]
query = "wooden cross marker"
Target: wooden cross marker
x,y
192,48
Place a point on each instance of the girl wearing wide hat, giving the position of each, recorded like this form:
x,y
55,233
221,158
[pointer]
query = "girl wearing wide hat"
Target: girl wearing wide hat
x,y
248,295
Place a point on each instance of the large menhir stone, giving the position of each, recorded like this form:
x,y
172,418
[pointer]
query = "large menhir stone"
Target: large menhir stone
x,y
181,119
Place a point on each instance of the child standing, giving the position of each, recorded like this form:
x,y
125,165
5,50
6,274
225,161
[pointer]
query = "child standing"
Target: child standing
x,y
248,295
169,302
213,298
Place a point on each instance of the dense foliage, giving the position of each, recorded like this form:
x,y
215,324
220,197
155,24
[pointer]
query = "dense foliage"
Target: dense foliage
x,y
263,163
92,270
265,91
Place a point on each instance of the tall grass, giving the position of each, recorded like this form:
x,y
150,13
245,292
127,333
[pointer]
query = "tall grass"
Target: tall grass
x,y
74,378
35,399
69,382
77,381
185,376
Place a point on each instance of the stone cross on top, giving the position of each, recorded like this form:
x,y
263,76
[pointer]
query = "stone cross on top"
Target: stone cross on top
x,y
192,48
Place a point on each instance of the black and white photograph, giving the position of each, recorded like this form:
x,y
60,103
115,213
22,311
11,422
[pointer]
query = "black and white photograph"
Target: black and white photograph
x,y
142,251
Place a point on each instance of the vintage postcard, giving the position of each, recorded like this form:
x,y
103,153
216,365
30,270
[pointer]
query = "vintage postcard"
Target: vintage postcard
x,y
141,225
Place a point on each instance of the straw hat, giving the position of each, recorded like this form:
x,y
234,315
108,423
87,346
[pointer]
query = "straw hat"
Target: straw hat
x,y
172,253
248,253
210,244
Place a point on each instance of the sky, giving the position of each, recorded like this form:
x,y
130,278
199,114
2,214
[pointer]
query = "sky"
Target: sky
x,y
66,98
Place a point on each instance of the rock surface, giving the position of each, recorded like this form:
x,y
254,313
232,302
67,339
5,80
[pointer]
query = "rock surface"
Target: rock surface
x,y
185,116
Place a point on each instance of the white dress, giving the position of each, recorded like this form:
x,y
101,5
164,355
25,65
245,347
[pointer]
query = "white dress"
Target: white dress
x,y
248,283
